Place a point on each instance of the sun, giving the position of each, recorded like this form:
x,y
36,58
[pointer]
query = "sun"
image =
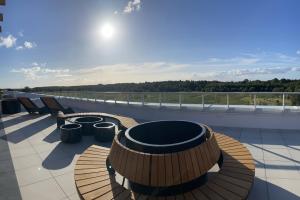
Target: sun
x,y
107,31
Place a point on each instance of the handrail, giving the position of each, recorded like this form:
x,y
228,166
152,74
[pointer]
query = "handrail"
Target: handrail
x,y
192,92
182,99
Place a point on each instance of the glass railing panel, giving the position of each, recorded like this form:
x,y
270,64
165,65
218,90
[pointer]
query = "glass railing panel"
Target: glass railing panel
x,y
135,98
236,99
191,98
169,98
151,98
269,99
292,99
215,99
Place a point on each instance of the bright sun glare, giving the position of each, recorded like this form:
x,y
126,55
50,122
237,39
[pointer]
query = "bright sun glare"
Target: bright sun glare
x,y
107,31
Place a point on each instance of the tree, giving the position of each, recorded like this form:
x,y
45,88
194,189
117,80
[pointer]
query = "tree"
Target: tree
x,y
26,89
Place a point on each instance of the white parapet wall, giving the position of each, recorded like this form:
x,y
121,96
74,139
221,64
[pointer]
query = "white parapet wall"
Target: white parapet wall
x,y
271,119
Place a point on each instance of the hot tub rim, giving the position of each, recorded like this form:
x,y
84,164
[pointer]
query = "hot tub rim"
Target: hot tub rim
x,y
202,134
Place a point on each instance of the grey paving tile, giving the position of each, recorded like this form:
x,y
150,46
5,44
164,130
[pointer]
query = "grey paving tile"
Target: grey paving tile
x,y
19,145
290,134
67,183
26,161
259,190
277,155
46,190
9,188
20,152
44,147
295,155
260,169
256,152
278,145
59,164
251,133
252,142
283,189
293,144
281,169
74,197
233,132
5,155
32,175
6,166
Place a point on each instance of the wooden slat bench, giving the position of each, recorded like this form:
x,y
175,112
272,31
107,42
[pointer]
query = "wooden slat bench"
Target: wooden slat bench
x,y
232,182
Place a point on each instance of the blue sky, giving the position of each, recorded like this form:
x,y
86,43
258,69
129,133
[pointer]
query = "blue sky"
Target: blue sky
x,y
59,42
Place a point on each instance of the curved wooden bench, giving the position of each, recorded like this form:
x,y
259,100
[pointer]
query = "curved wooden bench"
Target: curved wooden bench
x,y
193,163
232,182
123,122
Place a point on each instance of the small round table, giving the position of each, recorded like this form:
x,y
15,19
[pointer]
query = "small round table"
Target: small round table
x,y
104,131
70,133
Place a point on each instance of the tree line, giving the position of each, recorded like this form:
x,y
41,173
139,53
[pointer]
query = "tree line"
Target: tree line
x,y
274,85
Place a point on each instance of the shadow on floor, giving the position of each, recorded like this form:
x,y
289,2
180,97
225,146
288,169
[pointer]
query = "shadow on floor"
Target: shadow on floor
x,y
279,155
9,188
19,119
63,154
53,136
262,189
29,130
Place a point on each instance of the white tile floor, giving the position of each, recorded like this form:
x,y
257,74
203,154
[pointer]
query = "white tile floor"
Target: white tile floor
x,y
34,160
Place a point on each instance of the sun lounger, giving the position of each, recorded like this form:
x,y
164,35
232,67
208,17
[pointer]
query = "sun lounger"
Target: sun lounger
x,y
31,107
54,106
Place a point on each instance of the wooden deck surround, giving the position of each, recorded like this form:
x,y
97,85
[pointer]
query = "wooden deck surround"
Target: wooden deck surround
x,y
232,182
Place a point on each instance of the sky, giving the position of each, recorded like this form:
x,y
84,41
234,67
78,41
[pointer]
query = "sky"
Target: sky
x,y
78,42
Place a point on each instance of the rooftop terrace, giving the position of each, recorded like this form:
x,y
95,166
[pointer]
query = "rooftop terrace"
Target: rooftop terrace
x,y
36,165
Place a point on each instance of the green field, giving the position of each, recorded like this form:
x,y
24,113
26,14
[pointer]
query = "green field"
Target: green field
x,y
186,98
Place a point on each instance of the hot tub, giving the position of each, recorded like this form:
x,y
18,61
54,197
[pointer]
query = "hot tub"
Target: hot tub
x,y
161,137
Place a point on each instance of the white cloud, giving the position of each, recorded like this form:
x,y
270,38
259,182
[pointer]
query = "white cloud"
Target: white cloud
x,y
35,64
262,71
132,5
29,45
19,48
36,72
8,41
298,52
236,60
261,66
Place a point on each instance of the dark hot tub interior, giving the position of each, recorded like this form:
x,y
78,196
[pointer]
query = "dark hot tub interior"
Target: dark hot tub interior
x,y
165,136
88,119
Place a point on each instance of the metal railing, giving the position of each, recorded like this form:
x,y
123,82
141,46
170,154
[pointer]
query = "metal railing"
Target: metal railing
x,y
253,100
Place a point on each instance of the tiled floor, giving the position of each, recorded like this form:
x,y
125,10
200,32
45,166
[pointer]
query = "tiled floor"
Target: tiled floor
x,y
34,164
277,157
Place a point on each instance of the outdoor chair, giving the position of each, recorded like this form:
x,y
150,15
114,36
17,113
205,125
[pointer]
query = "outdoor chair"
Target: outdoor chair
x,y
54,106
31,107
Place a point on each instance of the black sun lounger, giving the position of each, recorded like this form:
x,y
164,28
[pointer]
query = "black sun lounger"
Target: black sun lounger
x,y
31,107
54,106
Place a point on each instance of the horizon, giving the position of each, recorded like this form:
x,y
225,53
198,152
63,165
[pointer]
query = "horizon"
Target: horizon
x,y
151,82
55,43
